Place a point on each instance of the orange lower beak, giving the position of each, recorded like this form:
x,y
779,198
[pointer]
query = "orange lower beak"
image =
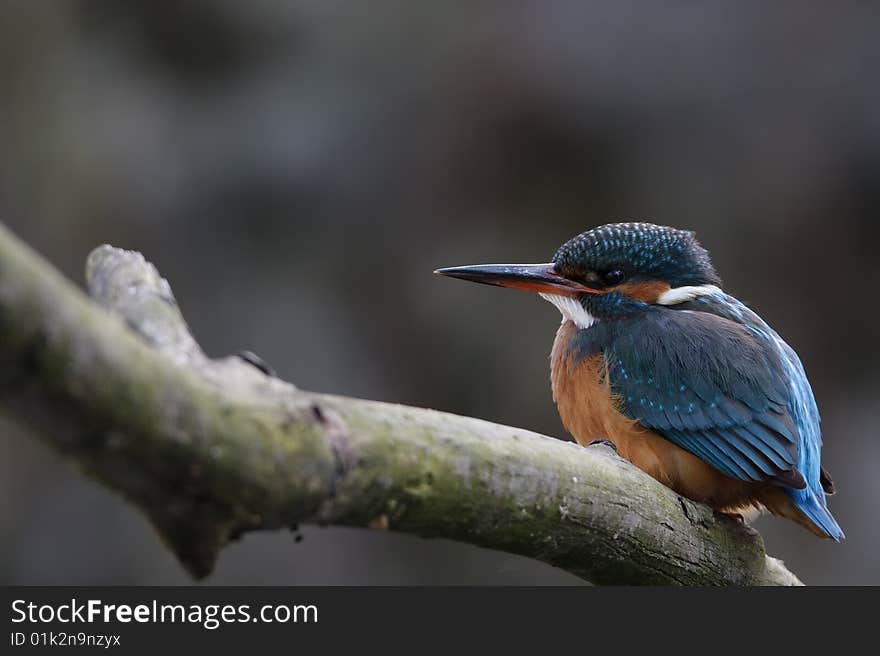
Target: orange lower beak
x,y
541,278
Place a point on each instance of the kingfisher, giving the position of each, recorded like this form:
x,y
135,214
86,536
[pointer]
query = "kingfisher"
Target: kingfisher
x,y
687,383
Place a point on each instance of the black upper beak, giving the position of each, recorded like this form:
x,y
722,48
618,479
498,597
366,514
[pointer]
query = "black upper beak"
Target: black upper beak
x,y
529,277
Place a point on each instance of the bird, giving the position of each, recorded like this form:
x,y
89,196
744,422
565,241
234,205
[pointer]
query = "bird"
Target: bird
x,y
686,382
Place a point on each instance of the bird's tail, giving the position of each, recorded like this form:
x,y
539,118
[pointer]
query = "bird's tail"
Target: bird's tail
x,y
812,505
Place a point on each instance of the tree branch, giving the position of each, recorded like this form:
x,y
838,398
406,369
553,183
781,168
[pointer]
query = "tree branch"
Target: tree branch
x,y
209,449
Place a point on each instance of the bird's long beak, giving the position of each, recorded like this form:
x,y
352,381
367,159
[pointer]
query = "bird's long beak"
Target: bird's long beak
x,y
540,278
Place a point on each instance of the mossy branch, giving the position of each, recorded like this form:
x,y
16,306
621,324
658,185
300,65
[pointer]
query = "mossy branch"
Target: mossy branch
x,y
209,449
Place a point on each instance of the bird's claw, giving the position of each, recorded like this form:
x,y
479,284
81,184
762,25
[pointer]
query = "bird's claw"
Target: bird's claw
x,y
256,361
603,442
735,516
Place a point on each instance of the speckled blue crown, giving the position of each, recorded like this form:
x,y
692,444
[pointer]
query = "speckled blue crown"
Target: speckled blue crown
x,y
642,250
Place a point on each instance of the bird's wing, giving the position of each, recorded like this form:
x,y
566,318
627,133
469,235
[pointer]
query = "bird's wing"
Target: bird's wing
x,y
712,387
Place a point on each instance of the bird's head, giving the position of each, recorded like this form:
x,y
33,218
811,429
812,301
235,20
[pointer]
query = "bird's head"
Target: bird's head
x,y
613,270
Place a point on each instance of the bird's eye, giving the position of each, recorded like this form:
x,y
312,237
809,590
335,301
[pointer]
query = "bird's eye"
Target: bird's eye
x,y
613,277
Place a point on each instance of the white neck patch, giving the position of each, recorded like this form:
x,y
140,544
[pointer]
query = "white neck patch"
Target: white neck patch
x,y
678,295
571,309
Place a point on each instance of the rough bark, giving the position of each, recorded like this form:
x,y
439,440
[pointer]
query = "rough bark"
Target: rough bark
x,y
210,448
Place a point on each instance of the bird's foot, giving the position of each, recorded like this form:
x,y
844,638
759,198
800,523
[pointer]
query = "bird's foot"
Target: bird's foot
x,y
735,516
256,361
603,442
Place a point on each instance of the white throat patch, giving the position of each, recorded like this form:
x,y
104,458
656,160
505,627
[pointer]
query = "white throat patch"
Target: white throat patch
x,y
678,295
571,309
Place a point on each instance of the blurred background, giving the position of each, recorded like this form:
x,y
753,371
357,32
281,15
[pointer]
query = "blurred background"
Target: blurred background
x,y
298,169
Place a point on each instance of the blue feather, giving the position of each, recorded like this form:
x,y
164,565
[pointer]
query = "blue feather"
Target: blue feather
x,y
779,457
721,384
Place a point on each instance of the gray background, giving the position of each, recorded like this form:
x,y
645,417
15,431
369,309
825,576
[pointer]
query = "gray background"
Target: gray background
x,y
298,169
